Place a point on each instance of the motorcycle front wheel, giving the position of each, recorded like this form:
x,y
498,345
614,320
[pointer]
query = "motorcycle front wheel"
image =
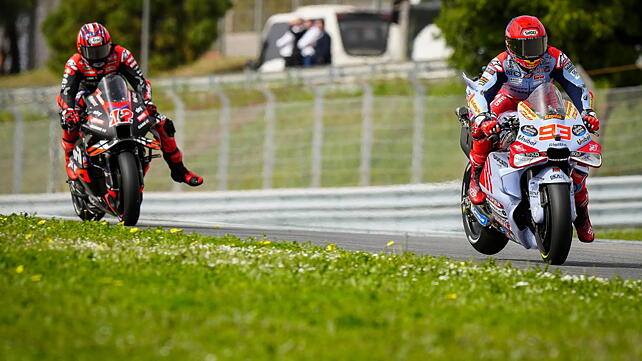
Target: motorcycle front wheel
x,y
130,194
555,234
485,240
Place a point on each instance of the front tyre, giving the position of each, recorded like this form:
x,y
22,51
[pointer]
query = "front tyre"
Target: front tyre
x,y
485,240
555,234
130,194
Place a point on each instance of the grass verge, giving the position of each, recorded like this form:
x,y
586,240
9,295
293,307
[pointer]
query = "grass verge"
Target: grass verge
x,y
90,291
631,234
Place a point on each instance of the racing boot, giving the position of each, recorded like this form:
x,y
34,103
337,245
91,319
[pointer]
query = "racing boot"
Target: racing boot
x,y
478,155
179,172
582,222
475,193
68,142
173,156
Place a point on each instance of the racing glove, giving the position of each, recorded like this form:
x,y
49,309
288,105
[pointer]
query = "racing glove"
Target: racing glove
x,y
590,120
484,124
151,108
69,119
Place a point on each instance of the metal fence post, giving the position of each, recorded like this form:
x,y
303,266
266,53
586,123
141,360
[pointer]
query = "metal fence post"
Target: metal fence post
x,y
366,135
317,138
54,141
179,105
268,145
418,133
18,156
224,144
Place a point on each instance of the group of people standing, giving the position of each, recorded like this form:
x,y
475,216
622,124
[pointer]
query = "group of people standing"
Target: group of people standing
x,y
306,43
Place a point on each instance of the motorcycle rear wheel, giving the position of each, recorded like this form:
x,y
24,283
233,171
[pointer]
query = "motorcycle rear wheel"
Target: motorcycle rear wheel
x,y
554,236
130,194
485,240
82,207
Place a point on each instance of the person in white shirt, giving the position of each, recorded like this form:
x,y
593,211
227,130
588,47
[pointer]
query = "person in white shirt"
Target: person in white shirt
x,y
286,43
308,41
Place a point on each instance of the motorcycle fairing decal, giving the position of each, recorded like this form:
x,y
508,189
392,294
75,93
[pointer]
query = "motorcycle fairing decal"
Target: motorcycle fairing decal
x,y
142,116
119,116
150,143
95,120
519,148
554,131
571,111
498,209
480,217
92,100
591,147
101,147
485,180
99,97
526,111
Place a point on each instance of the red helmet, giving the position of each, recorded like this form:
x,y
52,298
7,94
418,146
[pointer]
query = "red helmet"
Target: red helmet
x,y
94,42
526,40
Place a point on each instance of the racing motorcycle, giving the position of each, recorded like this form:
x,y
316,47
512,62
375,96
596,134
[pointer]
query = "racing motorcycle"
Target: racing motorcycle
x,y
113,152
527,182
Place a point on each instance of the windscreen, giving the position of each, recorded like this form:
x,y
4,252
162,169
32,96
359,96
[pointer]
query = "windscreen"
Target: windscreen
x,y
113,88
546,101
363,34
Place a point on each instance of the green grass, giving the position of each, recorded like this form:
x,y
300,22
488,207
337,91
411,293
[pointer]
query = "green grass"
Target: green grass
x,y
631,234
90,291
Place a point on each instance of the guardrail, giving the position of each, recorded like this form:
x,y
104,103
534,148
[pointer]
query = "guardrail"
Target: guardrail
x,y
419,208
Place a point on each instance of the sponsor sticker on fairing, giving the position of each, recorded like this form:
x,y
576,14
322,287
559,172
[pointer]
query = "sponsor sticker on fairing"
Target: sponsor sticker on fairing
x,y
529,130
586,139
579,130
528,141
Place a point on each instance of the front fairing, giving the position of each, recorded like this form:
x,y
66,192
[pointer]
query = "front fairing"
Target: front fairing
x,y
550,128
113,111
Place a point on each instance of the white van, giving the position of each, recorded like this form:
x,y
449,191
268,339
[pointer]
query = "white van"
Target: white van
x,y
358,37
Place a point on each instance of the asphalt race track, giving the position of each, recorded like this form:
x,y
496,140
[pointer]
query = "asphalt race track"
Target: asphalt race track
x,y
604,258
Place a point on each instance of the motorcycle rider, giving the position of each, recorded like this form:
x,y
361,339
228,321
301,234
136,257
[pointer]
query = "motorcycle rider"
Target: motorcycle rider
x,y
510,78
97,57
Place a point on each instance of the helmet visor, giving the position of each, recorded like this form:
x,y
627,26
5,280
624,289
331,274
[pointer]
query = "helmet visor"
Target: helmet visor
x,y
95,52
532,48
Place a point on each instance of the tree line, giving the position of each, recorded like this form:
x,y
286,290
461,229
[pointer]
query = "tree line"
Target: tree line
x,y
595,34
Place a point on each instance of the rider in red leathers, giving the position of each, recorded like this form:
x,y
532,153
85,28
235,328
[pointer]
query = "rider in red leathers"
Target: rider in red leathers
x,y
510,78
97,57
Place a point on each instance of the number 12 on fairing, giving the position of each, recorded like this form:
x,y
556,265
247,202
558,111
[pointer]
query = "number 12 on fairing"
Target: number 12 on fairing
x,y
548,132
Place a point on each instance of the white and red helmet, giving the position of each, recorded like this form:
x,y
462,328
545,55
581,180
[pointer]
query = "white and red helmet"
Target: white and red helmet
x,y
93,42
526,40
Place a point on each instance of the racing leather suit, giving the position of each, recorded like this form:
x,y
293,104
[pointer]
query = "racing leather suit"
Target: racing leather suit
x,y
80,75
504,83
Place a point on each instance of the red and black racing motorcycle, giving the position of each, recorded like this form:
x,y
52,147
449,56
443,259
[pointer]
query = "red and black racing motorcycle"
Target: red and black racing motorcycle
x,y
113,152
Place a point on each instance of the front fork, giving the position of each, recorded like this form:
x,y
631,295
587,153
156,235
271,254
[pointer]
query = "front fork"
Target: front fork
x,y
537,179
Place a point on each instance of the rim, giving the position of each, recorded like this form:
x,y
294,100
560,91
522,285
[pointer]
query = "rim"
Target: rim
x,y
471,226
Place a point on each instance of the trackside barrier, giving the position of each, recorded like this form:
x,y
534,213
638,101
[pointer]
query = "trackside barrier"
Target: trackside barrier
x,y
615,201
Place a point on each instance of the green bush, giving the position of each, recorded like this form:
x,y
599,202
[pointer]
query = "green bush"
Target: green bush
x,y
180,31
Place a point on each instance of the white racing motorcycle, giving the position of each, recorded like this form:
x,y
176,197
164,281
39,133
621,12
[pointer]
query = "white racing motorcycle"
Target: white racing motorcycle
x,y
528,186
